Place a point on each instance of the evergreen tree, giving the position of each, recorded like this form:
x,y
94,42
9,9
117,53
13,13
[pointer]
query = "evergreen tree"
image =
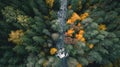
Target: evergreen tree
x,y
30,31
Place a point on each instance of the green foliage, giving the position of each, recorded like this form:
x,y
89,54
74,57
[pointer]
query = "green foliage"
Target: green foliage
x,y
40,23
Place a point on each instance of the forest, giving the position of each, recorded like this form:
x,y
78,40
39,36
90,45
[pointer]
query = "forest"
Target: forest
x,y
59,33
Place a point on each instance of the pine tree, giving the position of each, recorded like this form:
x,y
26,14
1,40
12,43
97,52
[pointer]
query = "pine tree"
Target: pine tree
x,y
30,31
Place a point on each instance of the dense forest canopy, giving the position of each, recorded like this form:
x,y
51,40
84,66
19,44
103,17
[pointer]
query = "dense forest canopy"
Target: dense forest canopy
x,y
29,32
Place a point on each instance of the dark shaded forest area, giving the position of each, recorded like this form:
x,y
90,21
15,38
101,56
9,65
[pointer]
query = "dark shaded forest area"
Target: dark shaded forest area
x,y
30,31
